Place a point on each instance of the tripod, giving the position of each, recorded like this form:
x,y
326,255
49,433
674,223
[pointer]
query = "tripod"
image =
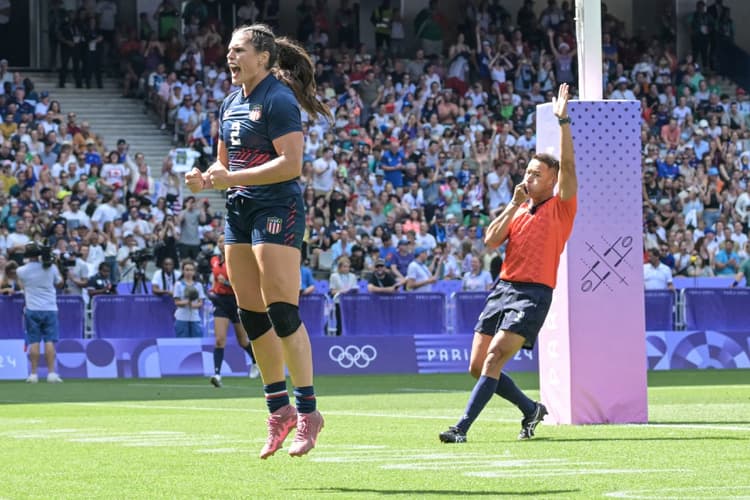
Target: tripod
x,y
139,277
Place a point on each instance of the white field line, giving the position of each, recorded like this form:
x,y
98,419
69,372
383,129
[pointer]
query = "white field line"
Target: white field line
x,y
403,416
206,386
701,492
566,472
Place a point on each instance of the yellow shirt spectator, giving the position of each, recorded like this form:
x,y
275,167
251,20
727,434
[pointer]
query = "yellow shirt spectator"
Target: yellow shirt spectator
x,y
8,127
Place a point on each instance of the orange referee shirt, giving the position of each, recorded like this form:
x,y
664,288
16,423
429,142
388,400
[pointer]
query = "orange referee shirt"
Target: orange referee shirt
x,y
536,240
219,268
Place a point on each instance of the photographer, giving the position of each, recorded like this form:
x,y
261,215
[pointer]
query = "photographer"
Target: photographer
x,y
188,297
125,257
164,279
38,278
75,269
101,283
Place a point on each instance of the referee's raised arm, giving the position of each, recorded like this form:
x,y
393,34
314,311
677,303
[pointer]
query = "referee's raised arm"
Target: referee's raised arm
x,y
568,183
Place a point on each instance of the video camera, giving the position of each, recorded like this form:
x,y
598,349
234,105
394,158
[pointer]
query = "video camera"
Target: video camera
x,y
142,255
44,253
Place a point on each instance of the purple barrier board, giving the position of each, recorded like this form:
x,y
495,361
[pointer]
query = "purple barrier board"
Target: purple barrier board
x,y
71,316
451,354
11,317
393,314
312,310
689,350
723,309
468,307
133,316
659,306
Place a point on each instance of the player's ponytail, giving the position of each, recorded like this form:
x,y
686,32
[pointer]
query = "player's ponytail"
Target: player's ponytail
x,y
291,64
296,70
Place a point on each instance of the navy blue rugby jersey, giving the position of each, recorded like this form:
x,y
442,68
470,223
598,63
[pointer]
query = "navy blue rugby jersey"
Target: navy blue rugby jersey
x,y
248,127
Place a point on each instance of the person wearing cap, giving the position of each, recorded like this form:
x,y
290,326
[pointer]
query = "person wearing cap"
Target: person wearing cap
x,y
381,280
622,91
420,277
536,224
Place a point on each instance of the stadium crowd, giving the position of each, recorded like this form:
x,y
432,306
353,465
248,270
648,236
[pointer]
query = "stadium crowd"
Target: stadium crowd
x,y
426,145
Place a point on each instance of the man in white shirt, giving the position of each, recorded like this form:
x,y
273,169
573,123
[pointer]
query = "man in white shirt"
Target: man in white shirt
x,y
656,276
324,169
106,212
622,91
424,239
527,141
75,216
136,225
419,278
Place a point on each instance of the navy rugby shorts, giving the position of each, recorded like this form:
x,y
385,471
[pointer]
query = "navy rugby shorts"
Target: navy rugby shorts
x,y
281,222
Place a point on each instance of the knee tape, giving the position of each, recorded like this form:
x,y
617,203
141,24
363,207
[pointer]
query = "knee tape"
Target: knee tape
x,y
255,323
285,318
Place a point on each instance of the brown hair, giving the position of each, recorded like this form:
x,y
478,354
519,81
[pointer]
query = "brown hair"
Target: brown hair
x,y
548,160
291,64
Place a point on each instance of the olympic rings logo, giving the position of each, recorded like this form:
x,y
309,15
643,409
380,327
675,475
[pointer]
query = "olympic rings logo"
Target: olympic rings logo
x,y
353,355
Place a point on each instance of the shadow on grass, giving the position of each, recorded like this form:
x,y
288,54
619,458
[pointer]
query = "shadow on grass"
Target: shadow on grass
x,y
451,493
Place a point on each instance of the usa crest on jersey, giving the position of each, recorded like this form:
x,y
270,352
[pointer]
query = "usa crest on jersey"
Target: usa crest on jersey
x,y
255,112
273,225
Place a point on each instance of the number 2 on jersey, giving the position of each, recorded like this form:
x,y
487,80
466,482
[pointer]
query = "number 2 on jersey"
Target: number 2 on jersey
x,y
234,135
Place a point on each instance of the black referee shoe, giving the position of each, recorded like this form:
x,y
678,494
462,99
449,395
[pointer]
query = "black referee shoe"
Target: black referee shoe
x,y
453,435
529,423
216,381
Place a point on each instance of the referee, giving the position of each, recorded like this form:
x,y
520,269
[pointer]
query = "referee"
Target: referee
x,y
38,279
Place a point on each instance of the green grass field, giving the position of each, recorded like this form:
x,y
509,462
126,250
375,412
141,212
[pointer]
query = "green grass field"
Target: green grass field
x,y
181,438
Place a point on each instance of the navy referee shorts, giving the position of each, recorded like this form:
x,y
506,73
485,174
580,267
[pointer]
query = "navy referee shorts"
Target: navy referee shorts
x,y
516,307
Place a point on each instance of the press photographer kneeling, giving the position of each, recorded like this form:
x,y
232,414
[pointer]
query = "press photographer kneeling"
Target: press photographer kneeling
x,y
38,279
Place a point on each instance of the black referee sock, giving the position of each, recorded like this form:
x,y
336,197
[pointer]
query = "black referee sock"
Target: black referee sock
x,y
507,389
218,359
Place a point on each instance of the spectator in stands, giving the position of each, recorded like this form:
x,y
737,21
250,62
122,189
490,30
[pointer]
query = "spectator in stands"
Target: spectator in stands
x,y
192,216
726,261
477,279
656,275
342,281
382,281
307,282
165,278
188,298
9,284
420,277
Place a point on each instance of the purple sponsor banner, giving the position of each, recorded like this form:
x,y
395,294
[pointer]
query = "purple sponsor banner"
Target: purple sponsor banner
x,y
364,354
668,350
13,360
451,354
